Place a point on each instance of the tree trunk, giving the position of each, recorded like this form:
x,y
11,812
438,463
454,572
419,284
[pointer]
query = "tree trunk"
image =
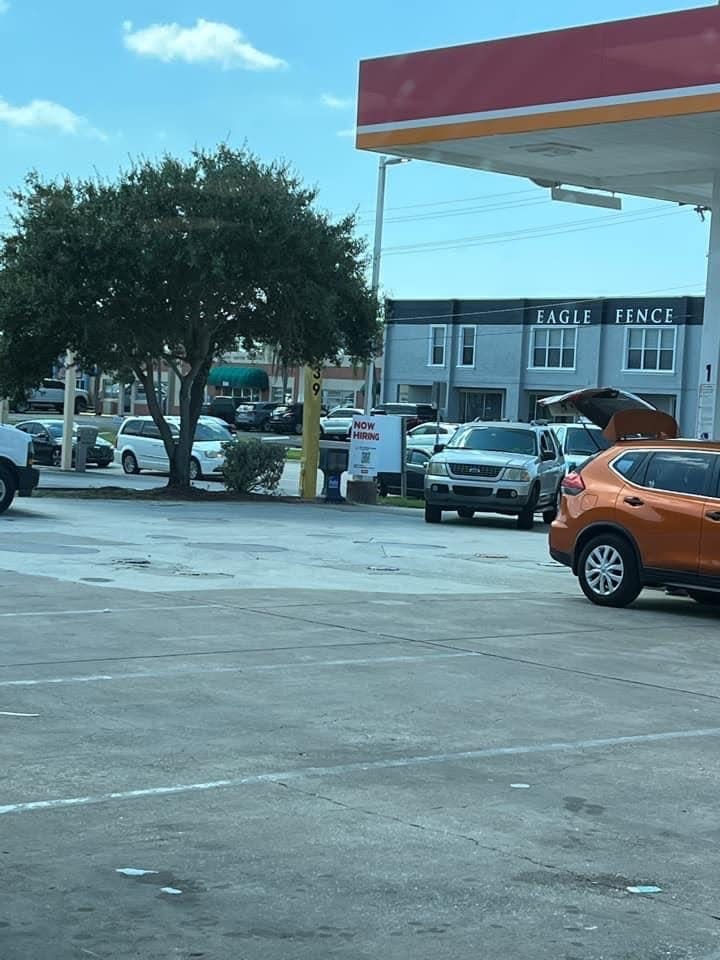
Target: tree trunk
x,y
192,394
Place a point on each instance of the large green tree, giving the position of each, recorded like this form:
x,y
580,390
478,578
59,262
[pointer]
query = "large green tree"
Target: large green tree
x,y
177,262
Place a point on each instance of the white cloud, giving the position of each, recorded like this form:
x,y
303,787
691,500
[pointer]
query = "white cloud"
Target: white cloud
x,y
336,103
206,42
349,133
45,115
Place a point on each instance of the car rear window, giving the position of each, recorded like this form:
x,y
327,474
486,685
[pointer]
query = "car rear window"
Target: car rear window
x,y
585,441
627,464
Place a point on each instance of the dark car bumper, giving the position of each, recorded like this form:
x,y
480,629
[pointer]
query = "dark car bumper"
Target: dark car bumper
x,y
28,479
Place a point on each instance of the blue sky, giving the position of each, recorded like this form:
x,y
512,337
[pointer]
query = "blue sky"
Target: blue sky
x,y
86,84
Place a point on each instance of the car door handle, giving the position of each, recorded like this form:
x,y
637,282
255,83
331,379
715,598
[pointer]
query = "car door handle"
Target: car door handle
x,y
634,502
714,515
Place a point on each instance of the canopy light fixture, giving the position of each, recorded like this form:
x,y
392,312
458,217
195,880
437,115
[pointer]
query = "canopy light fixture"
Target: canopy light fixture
x,y
586,199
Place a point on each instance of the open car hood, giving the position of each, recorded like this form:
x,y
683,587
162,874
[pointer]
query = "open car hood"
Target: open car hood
x,y
618,413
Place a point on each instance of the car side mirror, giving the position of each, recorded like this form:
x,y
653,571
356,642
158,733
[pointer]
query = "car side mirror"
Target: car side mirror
x,y
548,456
438,448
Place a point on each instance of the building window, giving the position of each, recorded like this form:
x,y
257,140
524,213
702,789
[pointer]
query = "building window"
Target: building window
x,y
552,349
437,346
466,347
481,405
652,350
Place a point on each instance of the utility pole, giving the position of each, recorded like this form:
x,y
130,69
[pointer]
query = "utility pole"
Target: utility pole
x,y
383,164
68,411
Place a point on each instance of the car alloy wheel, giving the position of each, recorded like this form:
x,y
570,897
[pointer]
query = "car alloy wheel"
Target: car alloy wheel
x,y
195,471
604,570
608,572
57,456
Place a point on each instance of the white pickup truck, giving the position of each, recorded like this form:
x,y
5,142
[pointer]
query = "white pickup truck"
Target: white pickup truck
x,y
17,474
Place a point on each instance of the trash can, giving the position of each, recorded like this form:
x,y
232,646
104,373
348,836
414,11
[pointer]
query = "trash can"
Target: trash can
x,y
86,438
333,463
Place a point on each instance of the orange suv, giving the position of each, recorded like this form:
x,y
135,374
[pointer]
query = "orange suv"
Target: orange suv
x,y
643,513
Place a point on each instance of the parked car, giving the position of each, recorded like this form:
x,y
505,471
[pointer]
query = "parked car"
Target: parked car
x,y
337,425
428,434
578,441
416,461
287,419
224,408
643,513
140,447
47,438
112,392
254,416
50,395
18,477
508,468
413,413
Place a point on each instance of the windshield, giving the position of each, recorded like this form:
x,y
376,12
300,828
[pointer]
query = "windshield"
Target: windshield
x,y
211,431
497,439
56,430
585,441
345,414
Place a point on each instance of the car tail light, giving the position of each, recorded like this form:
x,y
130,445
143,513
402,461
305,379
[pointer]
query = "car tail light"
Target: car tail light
x,y
573,484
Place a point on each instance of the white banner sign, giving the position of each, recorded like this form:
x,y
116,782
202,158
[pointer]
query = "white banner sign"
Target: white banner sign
x,y
375,445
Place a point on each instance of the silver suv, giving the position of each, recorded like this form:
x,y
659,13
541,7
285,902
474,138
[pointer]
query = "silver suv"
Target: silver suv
x,y
51,395
508,468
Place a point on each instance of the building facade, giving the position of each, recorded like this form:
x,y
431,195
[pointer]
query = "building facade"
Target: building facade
x,y
495,359
342,385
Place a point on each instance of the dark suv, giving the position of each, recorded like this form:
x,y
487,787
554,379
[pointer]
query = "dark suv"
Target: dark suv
x,y
254,416
224,408
413,413
287,419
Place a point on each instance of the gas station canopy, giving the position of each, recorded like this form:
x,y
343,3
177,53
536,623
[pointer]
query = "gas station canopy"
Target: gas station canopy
x,y
631,106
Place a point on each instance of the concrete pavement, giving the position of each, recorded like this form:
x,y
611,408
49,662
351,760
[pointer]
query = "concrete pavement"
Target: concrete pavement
x,y
339,733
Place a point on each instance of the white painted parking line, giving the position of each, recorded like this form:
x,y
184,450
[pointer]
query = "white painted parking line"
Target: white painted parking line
x,y
389,763
252,668
76,613
7,713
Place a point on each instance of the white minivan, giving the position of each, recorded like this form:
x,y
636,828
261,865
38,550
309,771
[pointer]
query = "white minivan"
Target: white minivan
x,y
140,447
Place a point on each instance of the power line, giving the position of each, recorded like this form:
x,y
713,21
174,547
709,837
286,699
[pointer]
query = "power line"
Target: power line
x,y
531,233
463,212
442,203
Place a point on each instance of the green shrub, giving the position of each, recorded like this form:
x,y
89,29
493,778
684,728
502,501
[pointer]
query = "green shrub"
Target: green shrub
x,y
252,465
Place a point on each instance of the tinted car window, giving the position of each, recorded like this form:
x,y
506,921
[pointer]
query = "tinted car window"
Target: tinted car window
x,y
496,439
55,429
211,431
585,442
627,465
417,457
132,428
151,431
679,472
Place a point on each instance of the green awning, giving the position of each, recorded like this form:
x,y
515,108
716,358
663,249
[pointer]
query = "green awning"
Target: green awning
x,y
252,377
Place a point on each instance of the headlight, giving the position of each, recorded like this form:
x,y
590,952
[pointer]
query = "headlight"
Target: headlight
x,y
517,474
436,468
213,454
